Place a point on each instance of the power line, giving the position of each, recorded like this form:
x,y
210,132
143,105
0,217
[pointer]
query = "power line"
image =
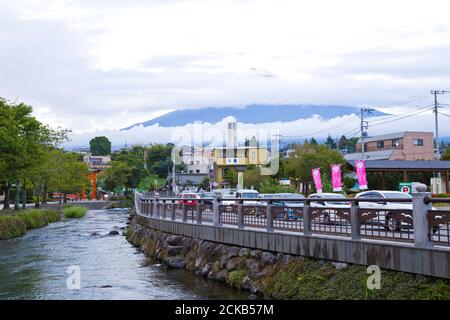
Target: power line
x,y
403,117
417,108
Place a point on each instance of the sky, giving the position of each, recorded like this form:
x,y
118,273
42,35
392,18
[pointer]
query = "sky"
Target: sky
x,y
97,66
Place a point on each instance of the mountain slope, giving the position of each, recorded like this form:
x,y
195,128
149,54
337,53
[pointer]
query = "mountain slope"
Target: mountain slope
x,y
251,114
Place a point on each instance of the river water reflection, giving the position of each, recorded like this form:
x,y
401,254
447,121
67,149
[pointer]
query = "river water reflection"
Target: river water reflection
x,y
35,265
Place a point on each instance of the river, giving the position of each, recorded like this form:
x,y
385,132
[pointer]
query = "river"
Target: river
x,y
35,266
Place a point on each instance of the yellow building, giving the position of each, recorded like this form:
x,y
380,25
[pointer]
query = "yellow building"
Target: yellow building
x,y
237,158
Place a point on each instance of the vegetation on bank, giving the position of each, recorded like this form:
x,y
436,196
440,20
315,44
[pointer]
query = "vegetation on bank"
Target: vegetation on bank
x,y
16,224
304,278
74,212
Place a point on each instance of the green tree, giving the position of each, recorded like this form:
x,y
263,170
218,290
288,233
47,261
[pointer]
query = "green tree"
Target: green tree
x,y
23,140
446,154
100,146
116,177
151,183
309,156
330,143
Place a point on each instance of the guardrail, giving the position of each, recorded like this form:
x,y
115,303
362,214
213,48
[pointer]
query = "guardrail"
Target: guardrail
x,y
401,220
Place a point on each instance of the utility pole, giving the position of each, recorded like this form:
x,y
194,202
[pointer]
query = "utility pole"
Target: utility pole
x,y
436,125
364,126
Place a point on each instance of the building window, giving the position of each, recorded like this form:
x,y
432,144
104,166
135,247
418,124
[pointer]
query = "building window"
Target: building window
x,y
380,144
197,171
395,143
418,142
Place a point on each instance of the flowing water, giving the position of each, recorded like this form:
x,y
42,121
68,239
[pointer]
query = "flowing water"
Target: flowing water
x,y
36,265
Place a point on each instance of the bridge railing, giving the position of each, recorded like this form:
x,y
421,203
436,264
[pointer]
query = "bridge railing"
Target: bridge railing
x,y
401,220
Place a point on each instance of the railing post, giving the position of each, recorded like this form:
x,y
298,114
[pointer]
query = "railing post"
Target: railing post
x,y
306,219
155,207
420,221
354,221
184,212
198,213
151,206
173,217
216,203
269,215
240,215
164,209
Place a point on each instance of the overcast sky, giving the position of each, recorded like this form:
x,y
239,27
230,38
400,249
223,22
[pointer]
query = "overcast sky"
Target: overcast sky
x,y
96,66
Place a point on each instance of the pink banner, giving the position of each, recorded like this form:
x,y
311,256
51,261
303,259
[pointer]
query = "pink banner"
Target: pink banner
x,y
317,179
336,177
361,173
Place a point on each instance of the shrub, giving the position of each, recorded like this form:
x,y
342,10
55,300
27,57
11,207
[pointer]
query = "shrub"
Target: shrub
x,y
11,226
235,278
74,212
33,219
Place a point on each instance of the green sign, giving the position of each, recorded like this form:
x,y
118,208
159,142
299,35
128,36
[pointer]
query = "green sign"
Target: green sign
x,y
405,187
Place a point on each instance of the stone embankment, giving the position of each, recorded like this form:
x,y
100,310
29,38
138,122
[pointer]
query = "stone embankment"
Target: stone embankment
x,y
277,275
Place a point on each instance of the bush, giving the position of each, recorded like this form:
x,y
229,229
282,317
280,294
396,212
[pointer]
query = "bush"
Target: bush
x,y
11,226
74,212
37,218
235,278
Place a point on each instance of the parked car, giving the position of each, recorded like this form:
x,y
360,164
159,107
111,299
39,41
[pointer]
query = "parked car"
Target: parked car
x,y
329,216
334,204
388,219
290,208
208,195
227,202
189,198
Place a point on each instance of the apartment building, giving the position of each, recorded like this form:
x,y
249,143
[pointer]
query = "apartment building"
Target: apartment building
x,y
406,145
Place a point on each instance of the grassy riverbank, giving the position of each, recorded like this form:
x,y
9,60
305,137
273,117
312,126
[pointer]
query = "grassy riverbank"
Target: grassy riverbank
x,y
304,278
281,276
74,212
16,223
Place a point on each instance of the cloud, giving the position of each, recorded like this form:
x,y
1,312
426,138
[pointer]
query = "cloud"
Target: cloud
x,y
103,65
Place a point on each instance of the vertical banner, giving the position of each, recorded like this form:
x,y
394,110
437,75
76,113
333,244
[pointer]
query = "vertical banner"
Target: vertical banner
x,y
336,177
361,174
317,179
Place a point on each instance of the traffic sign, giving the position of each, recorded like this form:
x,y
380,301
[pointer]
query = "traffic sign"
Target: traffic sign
x,y
405,187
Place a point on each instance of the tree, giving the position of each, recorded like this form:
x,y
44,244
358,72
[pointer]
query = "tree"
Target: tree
x,y
151,183
23,140
446,154
309,156
330,143
100,146
116,177
205,184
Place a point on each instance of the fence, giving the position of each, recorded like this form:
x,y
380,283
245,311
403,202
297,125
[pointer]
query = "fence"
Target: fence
x,y
401,220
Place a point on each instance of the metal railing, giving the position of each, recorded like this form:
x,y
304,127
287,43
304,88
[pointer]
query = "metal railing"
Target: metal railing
x,y
400,219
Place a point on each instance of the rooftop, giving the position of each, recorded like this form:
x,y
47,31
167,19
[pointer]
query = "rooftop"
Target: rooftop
x,y
405,165
389,136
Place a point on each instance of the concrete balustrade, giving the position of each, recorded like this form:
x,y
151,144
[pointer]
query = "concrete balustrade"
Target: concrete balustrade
x,y
418,255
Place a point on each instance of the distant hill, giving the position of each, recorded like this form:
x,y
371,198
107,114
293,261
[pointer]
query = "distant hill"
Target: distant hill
x,y
255,113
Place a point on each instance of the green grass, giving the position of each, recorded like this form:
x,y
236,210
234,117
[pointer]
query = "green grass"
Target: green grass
x,y
74,212
235,277
310,279
11,226
15,224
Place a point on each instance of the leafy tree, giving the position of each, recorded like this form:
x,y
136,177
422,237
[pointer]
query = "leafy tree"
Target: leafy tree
x,y
23,141
310,156
272,186
330,142
313,141
446,154
204,185
100,146
116,177
151,183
